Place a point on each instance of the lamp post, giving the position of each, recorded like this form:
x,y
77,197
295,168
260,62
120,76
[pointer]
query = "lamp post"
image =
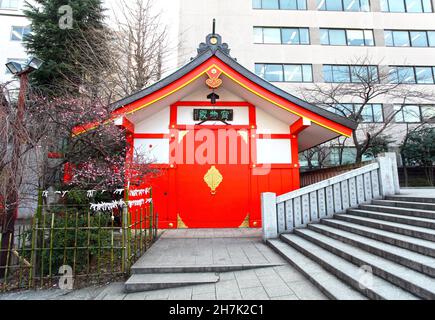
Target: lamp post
x,y
12,197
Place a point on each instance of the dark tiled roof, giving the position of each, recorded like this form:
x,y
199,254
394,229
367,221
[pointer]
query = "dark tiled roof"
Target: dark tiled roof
x,y
221,51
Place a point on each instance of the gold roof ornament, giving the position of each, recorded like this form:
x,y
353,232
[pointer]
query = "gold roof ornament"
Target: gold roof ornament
x,y
213,179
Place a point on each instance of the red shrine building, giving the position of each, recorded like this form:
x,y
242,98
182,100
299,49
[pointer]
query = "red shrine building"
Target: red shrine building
x,y
220,136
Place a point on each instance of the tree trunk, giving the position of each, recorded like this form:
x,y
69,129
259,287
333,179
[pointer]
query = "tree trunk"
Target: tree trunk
x,y
358,156
405,170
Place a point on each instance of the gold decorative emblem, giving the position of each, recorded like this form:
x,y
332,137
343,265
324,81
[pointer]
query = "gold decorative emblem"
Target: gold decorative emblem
x,y
213,81
245,223
180,223
213,179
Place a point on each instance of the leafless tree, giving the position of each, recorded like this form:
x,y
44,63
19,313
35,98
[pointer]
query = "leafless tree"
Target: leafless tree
x,y
140,42
316,157
134,51
365,83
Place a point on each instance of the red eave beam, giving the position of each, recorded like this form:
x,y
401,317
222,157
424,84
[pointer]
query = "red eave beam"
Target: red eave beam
x,y
299,126
125,123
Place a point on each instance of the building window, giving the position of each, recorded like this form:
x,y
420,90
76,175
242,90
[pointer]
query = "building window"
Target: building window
x,y
417,6
346,73
370,113
347,37
343,5
407,114
9,4
19,32
285,72
280,4
414,113
281,35
342,156
415,75
428,113
396,38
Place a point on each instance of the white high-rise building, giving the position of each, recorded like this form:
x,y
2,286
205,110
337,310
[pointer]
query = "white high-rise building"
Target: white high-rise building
x,y
297,44
13,26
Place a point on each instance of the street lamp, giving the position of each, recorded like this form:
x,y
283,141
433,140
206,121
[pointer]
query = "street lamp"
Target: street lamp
x,y
17,69
14,67
12,197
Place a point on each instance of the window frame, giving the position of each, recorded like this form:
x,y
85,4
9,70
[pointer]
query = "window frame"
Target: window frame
x,y
343,6
281,29
414,70
349,69
284,80
23,28
279,6
10,8
403,116
409,32
424,106
347,37
347,106
405,5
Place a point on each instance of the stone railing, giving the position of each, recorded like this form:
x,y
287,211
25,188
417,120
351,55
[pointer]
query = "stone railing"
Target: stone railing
x,y
324,199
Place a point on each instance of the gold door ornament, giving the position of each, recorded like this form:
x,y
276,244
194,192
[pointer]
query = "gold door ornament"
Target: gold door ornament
x,y
213,179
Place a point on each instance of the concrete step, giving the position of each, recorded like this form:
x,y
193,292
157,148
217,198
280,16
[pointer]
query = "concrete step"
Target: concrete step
x,y
377,289
407,258
420,213
146,282
139,268
333,287
413,221
410,280
400,228
411,198
405,204
407,242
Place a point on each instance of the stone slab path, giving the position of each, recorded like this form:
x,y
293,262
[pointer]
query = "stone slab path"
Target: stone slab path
x,y
272,283
273,280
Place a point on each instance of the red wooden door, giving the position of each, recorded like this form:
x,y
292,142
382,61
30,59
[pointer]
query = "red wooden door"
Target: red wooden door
x,y
213,183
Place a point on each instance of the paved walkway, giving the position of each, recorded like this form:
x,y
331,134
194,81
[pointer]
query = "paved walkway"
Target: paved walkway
x,y
418,192
273,283
230,247
209,247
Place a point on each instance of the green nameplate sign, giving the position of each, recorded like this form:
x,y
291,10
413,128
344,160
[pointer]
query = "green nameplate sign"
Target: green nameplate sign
x,y
212,114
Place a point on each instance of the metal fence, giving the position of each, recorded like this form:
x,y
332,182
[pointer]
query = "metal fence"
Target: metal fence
x,y
76,247
315,176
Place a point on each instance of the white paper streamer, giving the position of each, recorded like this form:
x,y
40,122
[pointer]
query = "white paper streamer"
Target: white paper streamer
x,y
118,191
139,192
105,206
90,193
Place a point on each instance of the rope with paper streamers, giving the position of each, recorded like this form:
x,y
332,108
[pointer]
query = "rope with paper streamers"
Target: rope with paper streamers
x,y
106,206
91,193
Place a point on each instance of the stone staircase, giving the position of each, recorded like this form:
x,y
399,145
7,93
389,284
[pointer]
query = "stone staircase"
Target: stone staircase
x,y
393,238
